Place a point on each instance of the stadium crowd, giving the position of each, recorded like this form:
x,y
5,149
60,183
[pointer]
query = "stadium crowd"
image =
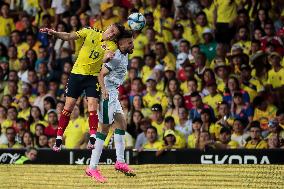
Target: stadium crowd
x,y
203,74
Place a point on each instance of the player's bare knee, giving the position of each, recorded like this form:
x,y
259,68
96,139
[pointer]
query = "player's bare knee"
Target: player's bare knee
x,y
69,104
92,104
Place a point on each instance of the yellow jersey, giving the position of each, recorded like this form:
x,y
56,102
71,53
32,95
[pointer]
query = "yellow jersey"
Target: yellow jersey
x,y
191,141
157,145
22,49
89,61
253,87
24,114
260,145
168,61
276,79
146,73
159,97
139,46
213,101
75,131
14,64
159,23
214,129
6,26
180,140
231,144
5,124
159,127
226,11
210,14
246,45
15,146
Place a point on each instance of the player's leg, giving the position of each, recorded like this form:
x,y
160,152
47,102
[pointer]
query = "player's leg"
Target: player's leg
x,y
93,95
119,141
93,170
93,120
73,91
106,118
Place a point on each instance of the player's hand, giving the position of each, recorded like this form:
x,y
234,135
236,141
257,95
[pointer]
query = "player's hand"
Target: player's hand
x,y
47,30
108,56
105,94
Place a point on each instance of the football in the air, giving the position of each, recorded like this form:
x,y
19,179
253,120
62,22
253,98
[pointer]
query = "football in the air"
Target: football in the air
x,y
136,21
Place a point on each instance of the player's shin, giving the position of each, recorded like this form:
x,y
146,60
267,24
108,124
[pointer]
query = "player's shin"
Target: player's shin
x,y
97,151
93,122
63,122
119,142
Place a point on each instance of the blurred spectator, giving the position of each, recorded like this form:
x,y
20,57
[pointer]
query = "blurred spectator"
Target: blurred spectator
x,y
35,118
29,157
175,105
209,45
225,141
263,112
213,98
28,140
133,127
153,95
196,128
170,125
3,138
157,118
107,17
21,127
76,129
198,106
152,140
185,124
39,130
239,134
233,86
11,134
51,142
241,110
255,134
51,129
42,141
141,139
7,25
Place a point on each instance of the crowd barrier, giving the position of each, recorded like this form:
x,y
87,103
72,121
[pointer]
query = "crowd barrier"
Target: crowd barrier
x,y
189,156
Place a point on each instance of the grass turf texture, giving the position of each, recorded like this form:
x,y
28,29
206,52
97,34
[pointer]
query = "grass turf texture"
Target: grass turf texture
x,y
148,176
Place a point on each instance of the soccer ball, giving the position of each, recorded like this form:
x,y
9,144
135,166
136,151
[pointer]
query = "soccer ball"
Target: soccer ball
x,y
136,21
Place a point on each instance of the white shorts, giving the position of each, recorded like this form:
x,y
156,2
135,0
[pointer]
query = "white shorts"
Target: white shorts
x,y
108,108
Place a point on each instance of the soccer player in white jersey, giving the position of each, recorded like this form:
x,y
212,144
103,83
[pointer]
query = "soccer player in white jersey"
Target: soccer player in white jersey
x,y
110,78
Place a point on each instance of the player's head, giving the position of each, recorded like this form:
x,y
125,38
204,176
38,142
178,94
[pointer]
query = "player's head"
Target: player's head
x,y
125,42
113,31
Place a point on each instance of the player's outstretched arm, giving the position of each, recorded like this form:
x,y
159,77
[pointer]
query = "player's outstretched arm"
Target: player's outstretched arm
x,y
104,71
61,35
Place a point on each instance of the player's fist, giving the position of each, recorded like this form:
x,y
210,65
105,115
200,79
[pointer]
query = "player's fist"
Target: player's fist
x,y
47,30
108,56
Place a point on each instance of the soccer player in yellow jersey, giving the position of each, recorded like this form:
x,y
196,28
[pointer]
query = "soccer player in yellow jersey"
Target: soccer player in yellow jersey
x,y
84,74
